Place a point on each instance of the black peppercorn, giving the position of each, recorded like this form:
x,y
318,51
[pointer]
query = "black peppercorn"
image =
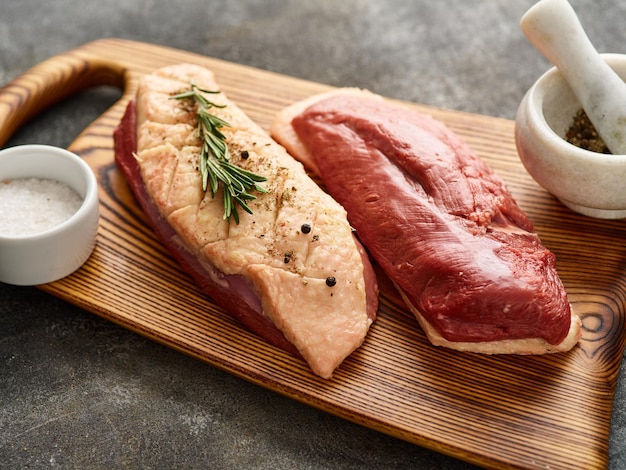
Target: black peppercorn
x,y
245,154
306,228
331,281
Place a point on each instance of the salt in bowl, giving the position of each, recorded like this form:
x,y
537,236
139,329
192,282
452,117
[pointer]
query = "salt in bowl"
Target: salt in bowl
x,y
44,256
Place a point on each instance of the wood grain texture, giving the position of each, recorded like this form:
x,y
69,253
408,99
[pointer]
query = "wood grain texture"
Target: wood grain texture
x,y
498,412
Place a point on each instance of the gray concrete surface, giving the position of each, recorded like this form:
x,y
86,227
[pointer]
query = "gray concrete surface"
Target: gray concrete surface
x,y
79,392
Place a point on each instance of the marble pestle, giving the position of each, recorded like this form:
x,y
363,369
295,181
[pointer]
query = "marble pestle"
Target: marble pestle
x,y
553,27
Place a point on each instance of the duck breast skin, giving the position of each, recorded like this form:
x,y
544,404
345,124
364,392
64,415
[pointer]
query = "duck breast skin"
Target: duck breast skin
x,y
438,220
292,271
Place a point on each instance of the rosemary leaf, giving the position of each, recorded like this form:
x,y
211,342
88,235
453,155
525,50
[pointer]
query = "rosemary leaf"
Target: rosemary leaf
x,y
215,165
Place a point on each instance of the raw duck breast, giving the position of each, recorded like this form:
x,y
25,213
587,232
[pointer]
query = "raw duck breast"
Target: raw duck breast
x,y
438,220
292,271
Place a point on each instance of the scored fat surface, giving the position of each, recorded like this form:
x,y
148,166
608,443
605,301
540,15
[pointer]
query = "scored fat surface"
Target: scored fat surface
x,y
287,268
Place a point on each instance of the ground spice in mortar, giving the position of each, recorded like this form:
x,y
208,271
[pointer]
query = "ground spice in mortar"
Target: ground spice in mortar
x,y
583,134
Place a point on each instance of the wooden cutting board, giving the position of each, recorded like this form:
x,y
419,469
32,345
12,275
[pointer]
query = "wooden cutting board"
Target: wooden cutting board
x,y
502,412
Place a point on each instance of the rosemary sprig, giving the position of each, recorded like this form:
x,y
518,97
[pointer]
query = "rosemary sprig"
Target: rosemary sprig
x,y
215,165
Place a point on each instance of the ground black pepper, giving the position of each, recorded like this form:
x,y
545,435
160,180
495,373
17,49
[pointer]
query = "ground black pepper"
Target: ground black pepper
x,y
583,134
245,154
306,228
331,281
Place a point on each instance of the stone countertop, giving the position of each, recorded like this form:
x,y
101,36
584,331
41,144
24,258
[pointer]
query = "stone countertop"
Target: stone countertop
x,y
77,391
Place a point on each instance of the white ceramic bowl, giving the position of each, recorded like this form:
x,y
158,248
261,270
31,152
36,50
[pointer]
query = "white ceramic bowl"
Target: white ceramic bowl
x,y
589,183
57,252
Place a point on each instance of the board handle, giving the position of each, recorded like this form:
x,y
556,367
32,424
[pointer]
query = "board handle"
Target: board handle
x,y
50,82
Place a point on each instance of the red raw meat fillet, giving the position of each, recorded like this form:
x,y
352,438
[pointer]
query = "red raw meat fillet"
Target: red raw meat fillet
x,y
438,220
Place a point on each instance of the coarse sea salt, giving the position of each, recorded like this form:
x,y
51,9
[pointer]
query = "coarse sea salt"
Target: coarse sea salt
x,y
34,205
